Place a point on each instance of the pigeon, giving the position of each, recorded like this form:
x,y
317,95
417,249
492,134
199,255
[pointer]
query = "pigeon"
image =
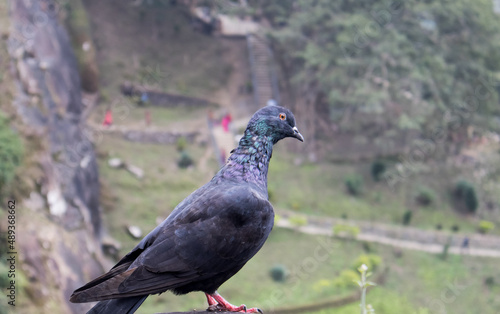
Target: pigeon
x,y
209,236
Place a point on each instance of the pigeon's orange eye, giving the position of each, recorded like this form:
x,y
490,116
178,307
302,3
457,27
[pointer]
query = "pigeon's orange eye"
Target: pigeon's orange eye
x,y
282,116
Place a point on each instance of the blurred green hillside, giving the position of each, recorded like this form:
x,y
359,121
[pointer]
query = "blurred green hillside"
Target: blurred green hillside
x,y
399,104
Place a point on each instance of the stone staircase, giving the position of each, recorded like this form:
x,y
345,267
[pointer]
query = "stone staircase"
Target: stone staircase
x,y
264,78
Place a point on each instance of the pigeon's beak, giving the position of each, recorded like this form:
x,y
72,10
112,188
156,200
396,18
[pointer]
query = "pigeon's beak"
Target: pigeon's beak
x,y
297,134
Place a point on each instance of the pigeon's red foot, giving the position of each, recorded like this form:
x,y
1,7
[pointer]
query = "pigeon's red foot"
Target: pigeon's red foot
x,y
216,303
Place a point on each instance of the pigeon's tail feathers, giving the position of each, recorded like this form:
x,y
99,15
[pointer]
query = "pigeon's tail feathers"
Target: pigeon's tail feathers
x,y
105,287
118,306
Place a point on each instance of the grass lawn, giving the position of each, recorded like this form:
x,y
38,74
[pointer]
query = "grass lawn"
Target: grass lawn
x,y
416,281
319,189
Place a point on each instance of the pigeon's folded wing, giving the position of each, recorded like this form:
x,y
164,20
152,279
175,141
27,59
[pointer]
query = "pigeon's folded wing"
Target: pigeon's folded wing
x,y
210,237
225,226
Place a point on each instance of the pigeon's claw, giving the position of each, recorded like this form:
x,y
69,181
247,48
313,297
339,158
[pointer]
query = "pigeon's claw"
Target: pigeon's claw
x,y
211,301
216,303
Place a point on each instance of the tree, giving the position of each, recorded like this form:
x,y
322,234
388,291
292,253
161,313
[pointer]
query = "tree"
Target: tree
x,y
415,65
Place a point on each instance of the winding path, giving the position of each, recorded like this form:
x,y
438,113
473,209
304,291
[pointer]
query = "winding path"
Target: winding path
x,y
398,236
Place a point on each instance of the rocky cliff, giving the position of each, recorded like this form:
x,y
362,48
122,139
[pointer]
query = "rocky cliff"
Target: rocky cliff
x,y
60,223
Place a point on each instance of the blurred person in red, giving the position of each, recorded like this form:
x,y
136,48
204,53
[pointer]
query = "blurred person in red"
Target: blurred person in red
x,y
108,118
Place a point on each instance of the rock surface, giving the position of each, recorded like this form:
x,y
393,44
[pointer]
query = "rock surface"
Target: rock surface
x,y
60,248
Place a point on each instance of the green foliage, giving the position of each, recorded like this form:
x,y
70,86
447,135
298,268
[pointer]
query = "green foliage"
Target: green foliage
x,y
485,226
370,260
407,217
346,278
489,281
279,273
378,169
367,247
354,184
425,196
298,221
369,54
11,152
455,228
185,161
348,231
4,269
465,196
181,143
321,284
4,278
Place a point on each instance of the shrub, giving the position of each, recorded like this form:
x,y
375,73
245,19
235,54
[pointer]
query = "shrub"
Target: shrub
x,y
346,278
485,226
367,247
425,196
465,195
455,228
185,160
181,143
378,169
278,273
346,230
489,281
370,260
407,217
354,184
11,151
471,201
439,227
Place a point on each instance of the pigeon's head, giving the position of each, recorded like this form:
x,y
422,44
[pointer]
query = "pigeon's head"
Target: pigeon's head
x,y
275,123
